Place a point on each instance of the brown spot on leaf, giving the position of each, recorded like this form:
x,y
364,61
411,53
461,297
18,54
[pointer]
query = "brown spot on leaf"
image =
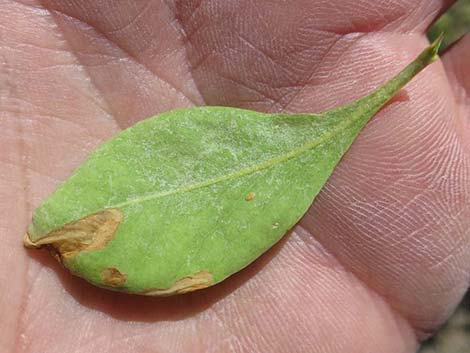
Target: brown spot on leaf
x,y
28,243
199,280
88,233
112,277
250,196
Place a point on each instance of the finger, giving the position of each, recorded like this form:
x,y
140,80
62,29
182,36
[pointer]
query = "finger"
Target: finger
x,y
430,13
396,211
456,62
45,129
392,199
300,300
132,52
264,57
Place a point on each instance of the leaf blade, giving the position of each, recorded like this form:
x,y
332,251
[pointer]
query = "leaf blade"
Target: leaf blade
x,y
181,181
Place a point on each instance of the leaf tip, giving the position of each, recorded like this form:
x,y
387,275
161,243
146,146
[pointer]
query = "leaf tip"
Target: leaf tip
x,y
436,45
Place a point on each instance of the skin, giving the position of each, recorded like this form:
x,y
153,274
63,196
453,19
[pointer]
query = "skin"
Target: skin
x,y
379,262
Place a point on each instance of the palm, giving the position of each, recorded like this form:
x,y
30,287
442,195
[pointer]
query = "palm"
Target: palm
x,y
378,262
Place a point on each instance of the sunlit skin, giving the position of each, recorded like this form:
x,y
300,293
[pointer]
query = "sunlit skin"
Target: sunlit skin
x,y
380,260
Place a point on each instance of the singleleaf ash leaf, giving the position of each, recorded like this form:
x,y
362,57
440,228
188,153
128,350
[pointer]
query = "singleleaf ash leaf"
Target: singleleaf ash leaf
x,y
183,200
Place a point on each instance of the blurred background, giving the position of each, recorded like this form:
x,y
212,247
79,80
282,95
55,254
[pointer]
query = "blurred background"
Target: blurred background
x,y
454,23
454,336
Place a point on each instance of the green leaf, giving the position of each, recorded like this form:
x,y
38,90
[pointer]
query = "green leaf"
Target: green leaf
x,y
182,200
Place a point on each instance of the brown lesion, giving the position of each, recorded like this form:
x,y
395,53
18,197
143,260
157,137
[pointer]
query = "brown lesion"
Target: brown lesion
x,y
199,280
88,233
111,276
250,196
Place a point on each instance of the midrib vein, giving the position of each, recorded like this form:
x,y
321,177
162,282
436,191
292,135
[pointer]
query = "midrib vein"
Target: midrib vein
x,y
245,171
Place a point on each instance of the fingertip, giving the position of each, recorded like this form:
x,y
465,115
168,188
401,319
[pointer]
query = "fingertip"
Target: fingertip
x,y
456,59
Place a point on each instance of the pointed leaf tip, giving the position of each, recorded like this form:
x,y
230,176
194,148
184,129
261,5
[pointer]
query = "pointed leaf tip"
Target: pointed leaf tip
x,y
367,106
430,54
436,45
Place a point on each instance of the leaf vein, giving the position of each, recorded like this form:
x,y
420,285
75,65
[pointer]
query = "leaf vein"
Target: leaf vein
x,y
245,171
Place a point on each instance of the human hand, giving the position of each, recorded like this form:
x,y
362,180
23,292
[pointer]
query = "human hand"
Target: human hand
x,y
380,260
